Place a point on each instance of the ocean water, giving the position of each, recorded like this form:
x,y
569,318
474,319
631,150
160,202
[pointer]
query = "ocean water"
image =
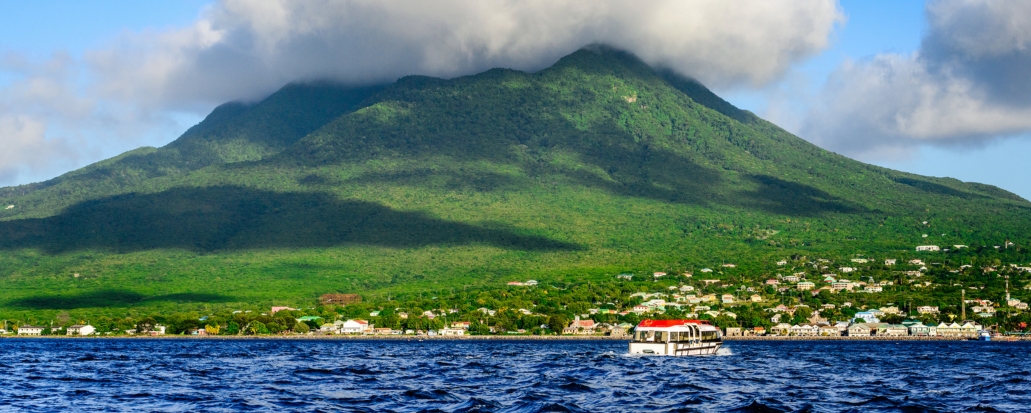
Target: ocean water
x,y
509,376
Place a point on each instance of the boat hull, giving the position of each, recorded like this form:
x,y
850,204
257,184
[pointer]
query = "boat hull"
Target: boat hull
x,y
675,349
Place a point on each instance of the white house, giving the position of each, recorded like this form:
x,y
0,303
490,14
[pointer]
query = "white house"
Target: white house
x,y
928,248
80,330
30,330
805,286
927,309
451,331
354,327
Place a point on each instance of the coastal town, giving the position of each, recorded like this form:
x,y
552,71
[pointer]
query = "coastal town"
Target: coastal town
x,y
929,295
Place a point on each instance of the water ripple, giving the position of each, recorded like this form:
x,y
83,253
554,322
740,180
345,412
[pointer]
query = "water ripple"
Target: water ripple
x,y
509,376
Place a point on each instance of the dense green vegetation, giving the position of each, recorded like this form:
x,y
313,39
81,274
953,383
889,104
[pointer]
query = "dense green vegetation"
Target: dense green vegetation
x,y
595,166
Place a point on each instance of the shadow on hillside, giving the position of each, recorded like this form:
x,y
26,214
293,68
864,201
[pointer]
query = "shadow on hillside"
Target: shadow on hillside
x,y
792,198
228,218
108,298
938,188
451,180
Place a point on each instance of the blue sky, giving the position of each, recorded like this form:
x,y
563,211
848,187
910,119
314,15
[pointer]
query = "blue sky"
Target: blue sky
x,y
80,82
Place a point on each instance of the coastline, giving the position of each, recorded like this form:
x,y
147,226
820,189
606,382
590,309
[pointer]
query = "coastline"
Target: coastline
x,y
497,338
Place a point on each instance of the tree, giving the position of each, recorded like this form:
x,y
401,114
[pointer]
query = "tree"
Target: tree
x,y
557,323
301,328
212,330
145,325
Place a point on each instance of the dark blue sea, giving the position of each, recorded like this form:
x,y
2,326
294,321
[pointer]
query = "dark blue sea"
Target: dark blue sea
x,y
509,376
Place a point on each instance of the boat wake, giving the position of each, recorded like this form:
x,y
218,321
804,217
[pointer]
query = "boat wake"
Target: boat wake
x,y
724,351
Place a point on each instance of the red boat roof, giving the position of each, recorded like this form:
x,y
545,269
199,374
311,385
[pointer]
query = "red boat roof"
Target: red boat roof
x,y
669,323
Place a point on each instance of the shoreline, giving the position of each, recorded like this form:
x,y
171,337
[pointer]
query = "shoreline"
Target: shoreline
x,y
497,338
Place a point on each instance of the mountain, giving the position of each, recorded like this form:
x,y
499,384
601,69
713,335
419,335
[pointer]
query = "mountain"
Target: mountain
x,y
597,165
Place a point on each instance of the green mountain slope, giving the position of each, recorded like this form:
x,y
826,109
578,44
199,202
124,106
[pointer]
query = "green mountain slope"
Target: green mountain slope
x,y
599,164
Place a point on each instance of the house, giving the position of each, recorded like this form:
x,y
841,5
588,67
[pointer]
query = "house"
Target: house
x,y
894,330
842,327
847,269
772,282
842,285
919,329
829,330
893,310
658,274
158,330
733,332
530,283
867,317
516,283
686,288
927,309
928,248
861,330
452,331
873,289
579,326
729,266
461,324
805,286
782,263
706,269
889,262
307,318
860,260
30,330
727,298
354,327
755,298
804,330
781,329
278,309
80,330
624,276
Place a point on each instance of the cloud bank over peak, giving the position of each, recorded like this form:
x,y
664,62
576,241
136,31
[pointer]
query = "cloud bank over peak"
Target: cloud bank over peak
x,y
59,112
241,48
969,84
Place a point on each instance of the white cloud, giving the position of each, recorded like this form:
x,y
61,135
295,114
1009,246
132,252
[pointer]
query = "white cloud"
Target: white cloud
x,y
969,84
246,47
26,149
242,49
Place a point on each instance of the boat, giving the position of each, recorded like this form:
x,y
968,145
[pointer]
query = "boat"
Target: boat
x,y
984,335
676,338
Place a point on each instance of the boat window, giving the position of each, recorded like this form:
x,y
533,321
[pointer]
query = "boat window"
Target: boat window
x,y
660,336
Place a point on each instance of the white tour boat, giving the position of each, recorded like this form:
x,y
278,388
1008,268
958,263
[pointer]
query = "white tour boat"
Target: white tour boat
x,y
676,338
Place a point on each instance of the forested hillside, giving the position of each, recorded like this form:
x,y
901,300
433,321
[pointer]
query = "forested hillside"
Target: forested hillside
x,y
595,166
